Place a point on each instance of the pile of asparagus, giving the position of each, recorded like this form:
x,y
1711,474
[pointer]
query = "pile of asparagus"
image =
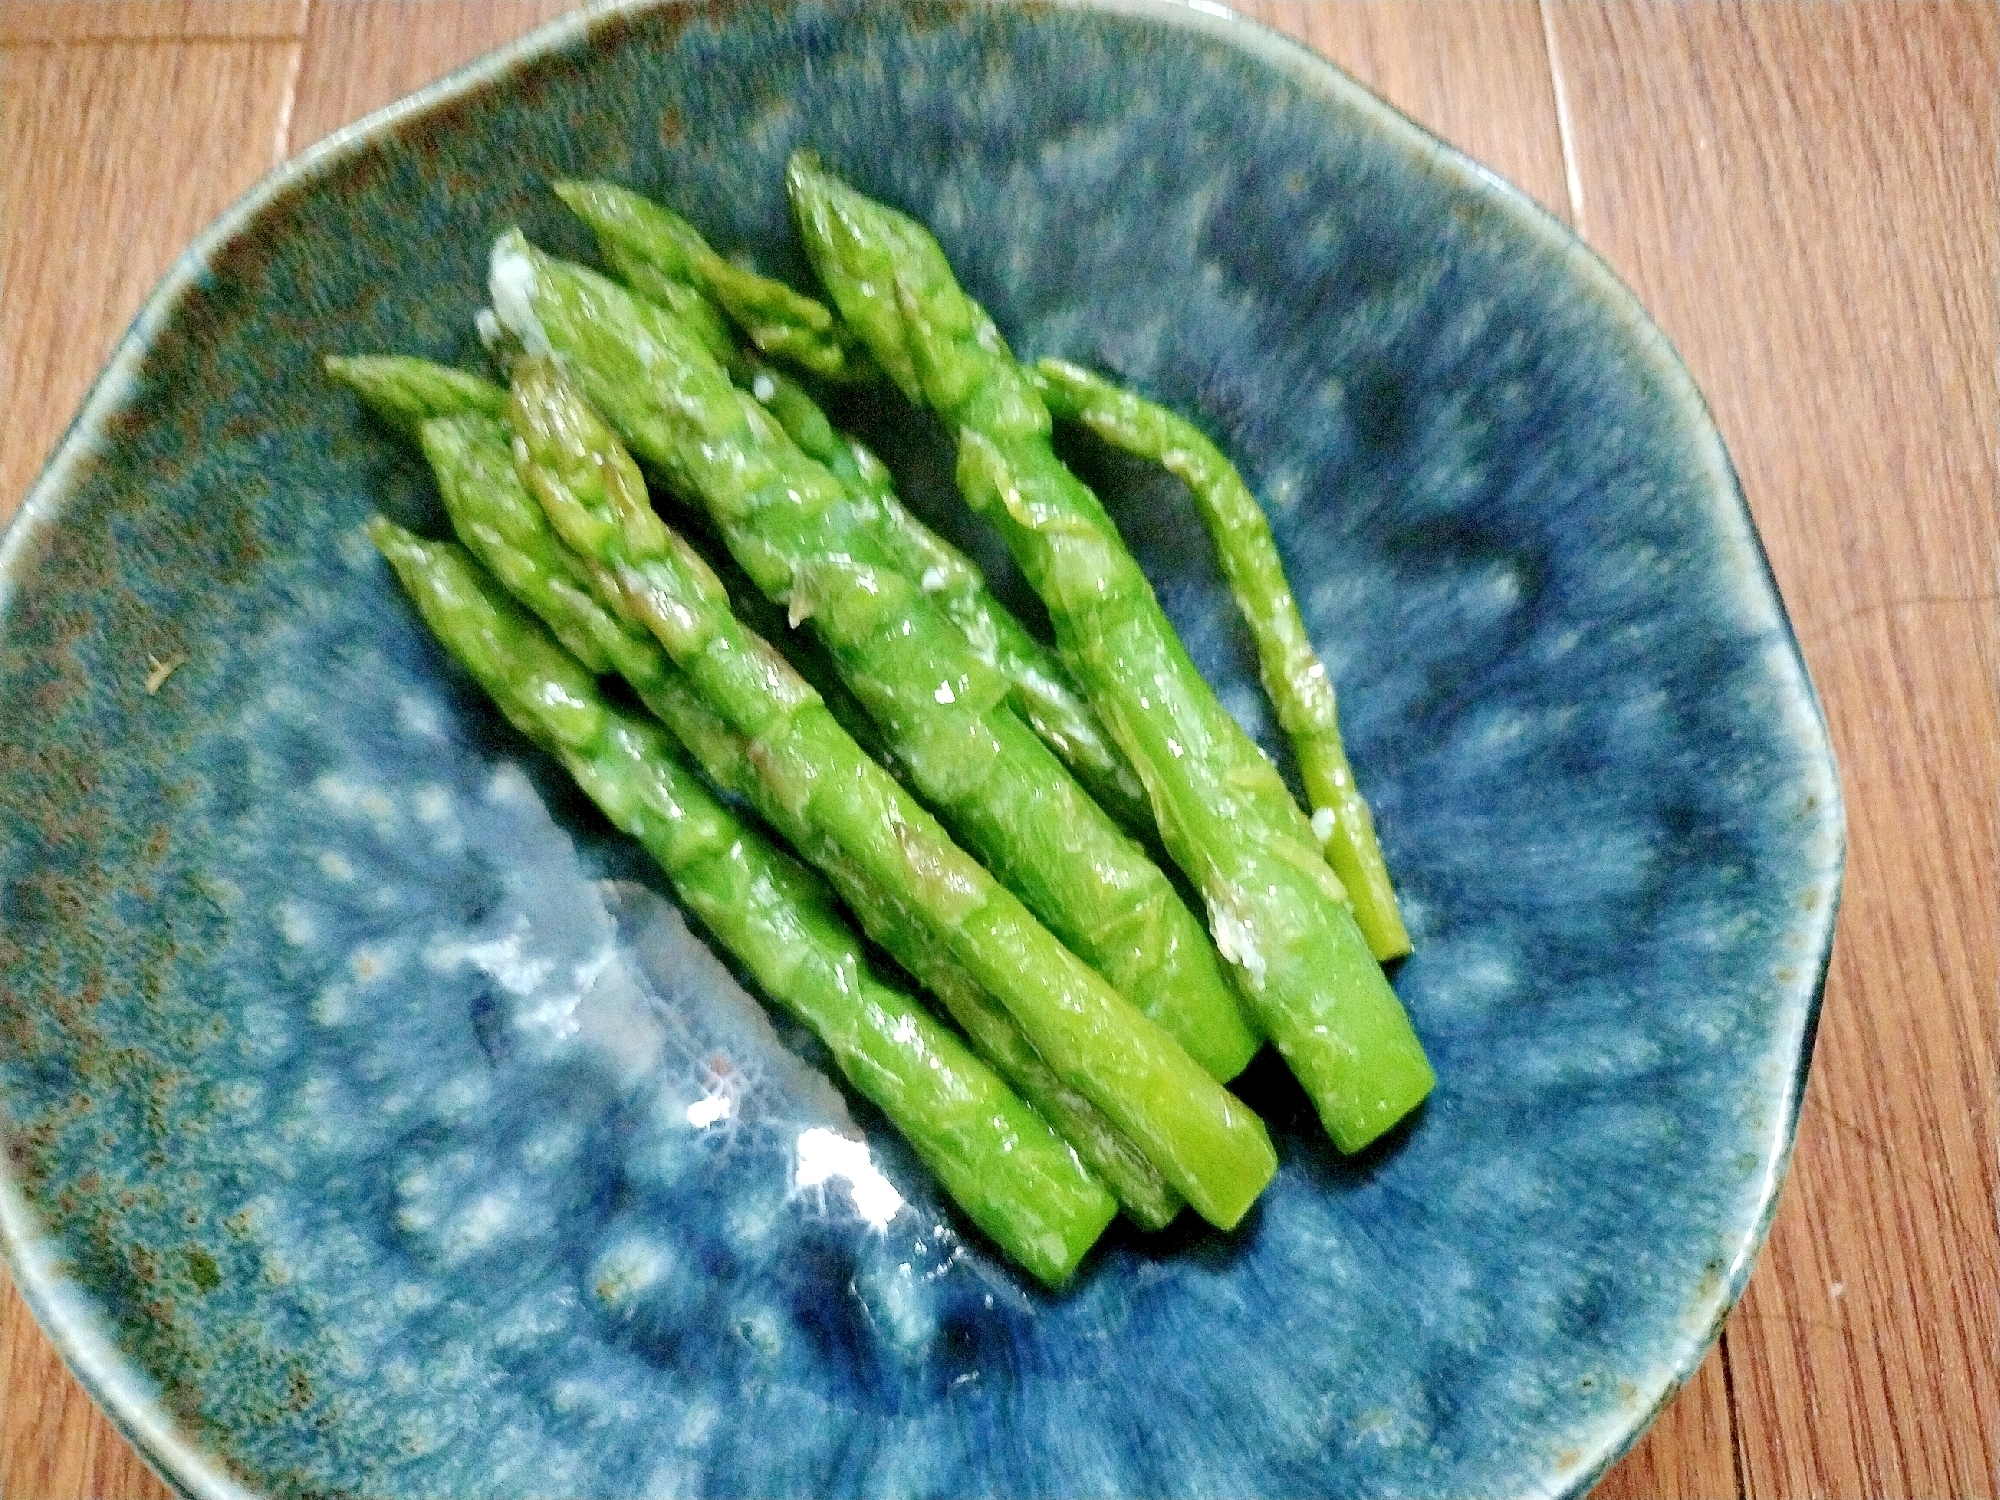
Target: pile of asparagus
x,y
1095,1022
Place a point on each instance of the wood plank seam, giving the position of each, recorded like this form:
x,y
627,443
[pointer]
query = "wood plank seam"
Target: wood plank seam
x,y
1729,1391
1565,129
281,145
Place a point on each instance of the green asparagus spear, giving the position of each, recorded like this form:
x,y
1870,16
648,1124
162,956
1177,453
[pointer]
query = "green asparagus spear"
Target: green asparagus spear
x,y
1294,677
1039,686
725,757
404,391
503,527
1275,907
1000,1161
795,530
779,321
1212,1149
647,248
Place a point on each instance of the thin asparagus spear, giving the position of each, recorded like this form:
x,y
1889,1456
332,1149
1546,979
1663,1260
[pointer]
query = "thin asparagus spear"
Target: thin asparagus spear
x,y
1000,1161
1275,907
503,527
1295,679
1212,1149
779,321
651,251
795,530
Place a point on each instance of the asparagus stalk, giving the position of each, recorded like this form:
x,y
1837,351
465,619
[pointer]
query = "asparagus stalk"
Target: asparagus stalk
x,y
654,252
1295,679
1274,906
796,531
500,523
1000,1161
1206,1144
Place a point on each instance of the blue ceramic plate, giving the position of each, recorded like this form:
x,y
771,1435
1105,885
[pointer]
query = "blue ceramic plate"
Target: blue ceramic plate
x,y
373,1126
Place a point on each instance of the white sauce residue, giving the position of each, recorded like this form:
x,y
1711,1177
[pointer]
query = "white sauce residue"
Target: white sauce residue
x,y
824,1155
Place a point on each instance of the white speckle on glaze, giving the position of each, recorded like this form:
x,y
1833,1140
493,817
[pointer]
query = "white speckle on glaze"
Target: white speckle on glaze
x,y
331,1005
295,923
400,1376
420,716
900,1307
631,1267
356,551
489,1218
509,786
371,961
355,799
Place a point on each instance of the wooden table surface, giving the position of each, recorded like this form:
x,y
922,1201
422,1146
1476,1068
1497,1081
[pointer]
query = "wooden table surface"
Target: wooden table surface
x,y
1804,197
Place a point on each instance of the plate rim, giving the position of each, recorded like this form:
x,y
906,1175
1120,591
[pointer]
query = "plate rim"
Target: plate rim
x,y
72,1323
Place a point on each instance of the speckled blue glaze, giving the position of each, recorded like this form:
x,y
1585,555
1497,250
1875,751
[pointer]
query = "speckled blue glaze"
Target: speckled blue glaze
x,y
373,1127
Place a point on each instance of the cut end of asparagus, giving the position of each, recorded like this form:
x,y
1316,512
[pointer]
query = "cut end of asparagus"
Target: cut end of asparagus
x,y
510,282
1226,1211
1396,1090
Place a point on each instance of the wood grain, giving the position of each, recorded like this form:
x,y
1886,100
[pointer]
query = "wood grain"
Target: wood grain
x,y
158,20
1803,196
54,1444
172,133
1689,1453
359,57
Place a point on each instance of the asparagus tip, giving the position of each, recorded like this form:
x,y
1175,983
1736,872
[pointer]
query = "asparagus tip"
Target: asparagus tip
x,y
802,168
387,536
